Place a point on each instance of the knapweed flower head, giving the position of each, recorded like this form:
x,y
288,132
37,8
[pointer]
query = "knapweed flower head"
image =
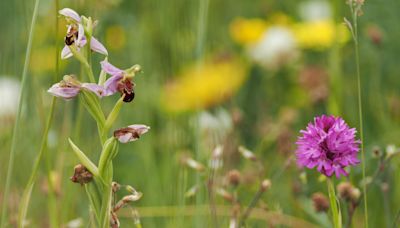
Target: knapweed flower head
x,y
76,34
328,144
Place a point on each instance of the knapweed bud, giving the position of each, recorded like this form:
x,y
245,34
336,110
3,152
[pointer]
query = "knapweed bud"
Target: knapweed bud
x,y
320,202
234,177
81,175
247,154
131,133
348,192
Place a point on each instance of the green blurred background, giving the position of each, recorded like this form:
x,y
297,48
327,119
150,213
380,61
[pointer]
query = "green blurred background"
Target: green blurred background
x,y
208,79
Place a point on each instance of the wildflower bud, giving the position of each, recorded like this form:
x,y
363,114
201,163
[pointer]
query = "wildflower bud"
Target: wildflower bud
x,y
115,187
320,202
391,150
376,152
247,154
191,163
192,191
216,162
226,195
130,189
348,192
234,177
375,34
385,187
265,185
81,175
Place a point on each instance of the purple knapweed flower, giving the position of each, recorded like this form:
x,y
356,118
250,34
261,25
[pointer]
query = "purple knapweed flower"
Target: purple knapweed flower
x,y
131,133
76,35
120,80
70,87
328,144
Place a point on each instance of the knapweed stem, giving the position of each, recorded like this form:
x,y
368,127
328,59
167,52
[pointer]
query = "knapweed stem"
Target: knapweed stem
x,y
354,13
336,214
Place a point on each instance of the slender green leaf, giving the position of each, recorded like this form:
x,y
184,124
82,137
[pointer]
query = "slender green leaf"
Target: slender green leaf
x,y
84,159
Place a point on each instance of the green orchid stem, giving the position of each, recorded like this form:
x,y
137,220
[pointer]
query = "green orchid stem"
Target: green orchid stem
x,y
336,214
360,108
78,55
17,119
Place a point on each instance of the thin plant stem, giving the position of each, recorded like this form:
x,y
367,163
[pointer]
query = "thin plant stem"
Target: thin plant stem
x,y
28,189
251,206
360,109
336,216
52,201
18,117
396,219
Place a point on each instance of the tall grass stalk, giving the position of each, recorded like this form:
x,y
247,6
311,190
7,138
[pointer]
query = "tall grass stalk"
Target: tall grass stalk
x,y
18,117
23,207
355,13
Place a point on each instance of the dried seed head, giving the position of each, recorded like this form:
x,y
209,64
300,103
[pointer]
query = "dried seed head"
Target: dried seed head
x,y
265,185
320,202
81,175
115,187
234,177
376,152
348,192
132,197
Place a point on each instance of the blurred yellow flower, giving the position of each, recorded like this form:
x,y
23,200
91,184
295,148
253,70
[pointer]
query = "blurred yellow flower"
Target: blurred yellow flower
x,y
247,31
115,38
320,34
43,60
205,85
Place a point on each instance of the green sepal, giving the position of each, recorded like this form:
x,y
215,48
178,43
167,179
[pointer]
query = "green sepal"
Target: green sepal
x,y
84,159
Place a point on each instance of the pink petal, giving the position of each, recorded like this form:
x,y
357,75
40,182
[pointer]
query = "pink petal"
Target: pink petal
x,y
96,46
64,92
95,88
109,68
67,12
66,53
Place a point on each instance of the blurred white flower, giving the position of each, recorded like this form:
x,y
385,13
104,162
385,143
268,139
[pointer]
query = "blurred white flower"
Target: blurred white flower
x,y
9,93
276,48
215,127
315,10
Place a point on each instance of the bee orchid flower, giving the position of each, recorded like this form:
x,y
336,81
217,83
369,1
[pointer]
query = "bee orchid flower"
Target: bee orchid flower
x,y
76,35
70,87
120,80
131,133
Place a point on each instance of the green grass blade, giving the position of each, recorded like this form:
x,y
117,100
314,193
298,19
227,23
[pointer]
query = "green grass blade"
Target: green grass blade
x,y
18,116
23,208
